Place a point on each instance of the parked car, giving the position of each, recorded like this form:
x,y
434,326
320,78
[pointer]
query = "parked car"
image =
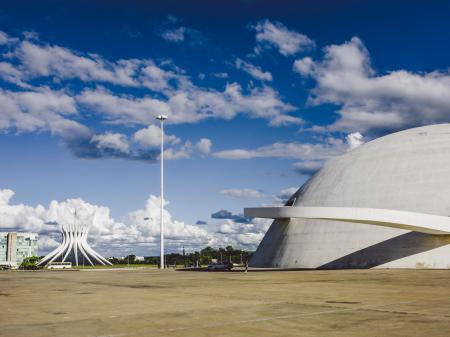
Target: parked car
x,y
220,266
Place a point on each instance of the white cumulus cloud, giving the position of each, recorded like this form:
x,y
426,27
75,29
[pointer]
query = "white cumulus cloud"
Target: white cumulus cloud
x,y
138,231
254,71
283,195
204,145
317,151
112,141
242,193
312,156
151,137
190,105
304,66
354,140
375,103
308,167
244,235
174,34
6,39
168,90
34,111
276,35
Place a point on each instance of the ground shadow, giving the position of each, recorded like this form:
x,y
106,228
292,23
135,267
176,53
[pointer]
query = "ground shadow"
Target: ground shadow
x,y
389,250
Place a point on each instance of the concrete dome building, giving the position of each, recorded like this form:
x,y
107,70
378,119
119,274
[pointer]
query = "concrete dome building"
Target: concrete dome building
x,y
385,204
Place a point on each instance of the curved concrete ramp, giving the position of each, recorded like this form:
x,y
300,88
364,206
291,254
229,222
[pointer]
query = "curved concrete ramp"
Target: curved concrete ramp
x,y
418,222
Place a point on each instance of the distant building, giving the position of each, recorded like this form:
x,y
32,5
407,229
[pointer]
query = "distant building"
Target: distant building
x,y
15,247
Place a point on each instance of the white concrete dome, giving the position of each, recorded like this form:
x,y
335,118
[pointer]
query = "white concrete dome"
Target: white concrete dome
x,y
404,171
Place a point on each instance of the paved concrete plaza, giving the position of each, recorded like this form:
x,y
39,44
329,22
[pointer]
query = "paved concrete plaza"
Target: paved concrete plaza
x,y
149,302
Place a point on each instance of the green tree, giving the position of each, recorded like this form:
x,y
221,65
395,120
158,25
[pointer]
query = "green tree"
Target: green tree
x,y
30,263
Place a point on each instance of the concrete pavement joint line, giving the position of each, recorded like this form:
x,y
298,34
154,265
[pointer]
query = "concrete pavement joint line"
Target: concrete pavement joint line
x,y
263,319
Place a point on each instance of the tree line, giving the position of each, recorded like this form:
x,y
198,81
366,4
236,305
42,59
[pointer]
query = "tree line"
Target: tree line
x,y
204,256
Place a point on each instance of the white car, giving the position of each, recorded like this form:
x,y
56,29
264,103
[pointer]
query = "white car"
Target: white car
x,y
220,266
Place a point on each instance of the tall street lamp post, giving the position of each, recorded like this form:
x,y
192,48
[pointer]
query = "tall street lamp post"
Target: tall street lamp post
x,y
162,118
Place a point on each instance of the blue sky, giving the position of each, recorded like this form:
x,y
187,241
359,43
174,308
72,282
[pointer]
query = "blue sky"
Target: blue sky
x,y
259,95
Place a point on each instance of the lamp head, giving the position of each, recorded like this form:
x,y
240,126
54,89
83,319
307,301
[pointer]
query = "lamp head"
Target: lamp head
x,y
161,118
